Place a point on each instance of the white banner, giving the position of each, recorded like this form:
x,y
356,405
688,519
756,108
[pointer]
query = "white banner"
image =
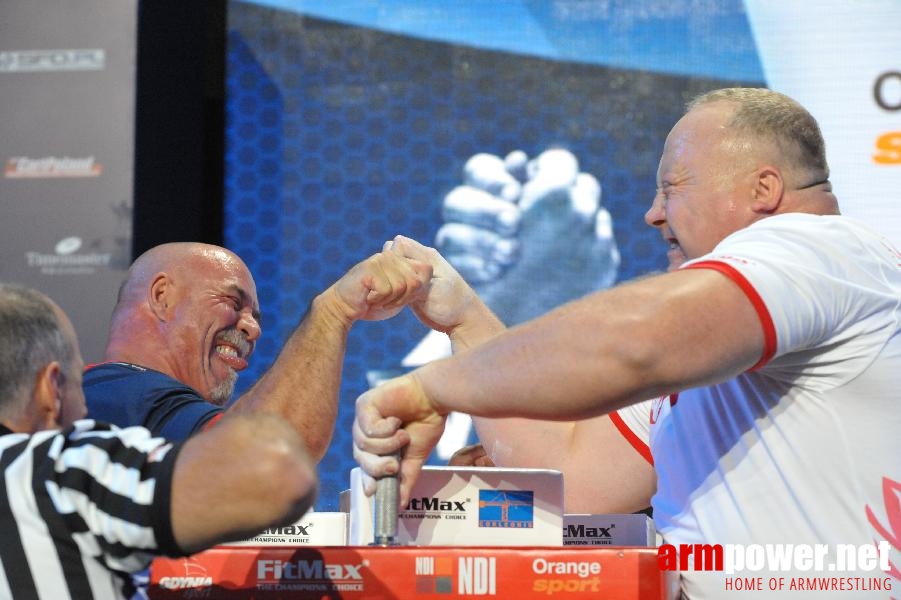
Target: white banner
x,y
842,60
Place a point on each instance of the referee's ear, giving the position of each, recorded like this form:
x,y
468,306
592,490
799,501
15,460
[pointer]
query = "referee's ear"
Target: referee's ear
x,y
46,400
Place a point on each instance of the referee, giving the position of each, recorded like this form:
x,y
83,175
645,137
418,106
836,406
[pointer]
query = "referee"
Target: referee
x,y
83,504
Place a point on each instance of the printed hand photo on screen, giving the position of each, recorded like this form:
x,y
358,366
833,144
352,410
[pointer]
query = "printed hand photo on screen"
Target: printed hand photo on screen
x,y
516,222
528,235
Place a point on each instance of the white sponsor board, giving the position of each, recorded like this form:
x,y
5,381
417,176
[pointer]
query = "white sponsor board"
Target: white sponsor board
x,y
842,61
470,506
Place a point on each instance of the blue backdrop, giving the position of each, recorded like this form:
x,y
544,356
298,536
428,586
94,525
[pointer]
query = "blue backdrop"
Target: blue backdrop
x,y
347,124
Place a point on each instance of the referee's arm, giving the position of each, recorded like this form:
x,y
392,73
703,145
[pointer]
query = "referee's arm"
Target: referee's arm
x,y
248,473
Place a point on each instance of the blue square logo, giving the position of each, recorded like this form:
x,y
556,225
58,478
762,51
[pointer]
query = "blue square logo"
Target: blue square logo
x,y
506,508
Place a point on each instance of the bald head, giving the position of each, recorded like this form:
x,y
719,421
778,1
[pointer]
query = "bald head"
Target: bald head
x,y
738,155
188,310
172,257
772,127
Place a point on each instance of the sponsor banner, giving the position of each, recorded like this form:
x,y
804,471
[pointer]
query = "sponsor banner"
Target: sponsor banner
x,y
24,167
81,59
68,258
407,572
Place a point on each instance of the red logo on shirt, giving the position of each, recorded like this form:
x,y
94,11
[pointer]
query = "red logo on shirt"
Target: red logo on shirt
x,y
891,493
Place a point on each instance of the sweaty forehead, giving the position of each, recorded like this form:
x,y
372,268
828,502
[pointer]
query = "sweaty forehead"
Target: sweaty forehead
x,y
224,269
693,138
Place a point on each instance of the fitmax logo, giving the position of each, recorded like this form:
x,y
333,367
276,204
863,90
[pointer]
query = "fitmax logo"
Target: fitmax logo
x,y
296,529
581,531
436,504
316,570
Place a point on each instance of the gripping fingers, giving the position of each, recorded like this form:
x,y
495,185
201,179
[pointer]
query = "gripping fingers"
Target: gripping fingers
x,y
458,238
480,209
421,258
375,465
470,456
478,255
400,279
409,473
376,439
490,173
378,444
397,282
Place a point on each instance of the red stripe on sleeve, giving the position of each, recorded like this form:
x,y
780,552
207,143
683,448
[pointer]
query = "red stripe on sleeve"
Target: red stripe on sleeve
x,y
766,321
630,436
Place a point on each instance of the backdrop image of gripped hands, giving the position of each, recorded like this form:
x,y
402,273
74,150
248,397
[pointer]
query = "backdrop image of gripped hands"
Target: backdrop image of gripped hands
x,y
528,234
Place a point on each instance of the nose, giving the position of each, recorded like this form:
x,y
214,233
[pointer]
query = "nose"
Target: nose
x,y
249,326
656,216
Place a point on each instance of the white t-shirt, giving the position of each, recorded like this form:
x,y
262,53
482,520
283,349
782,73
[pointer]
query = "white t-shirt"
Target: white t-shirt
x,y
805,448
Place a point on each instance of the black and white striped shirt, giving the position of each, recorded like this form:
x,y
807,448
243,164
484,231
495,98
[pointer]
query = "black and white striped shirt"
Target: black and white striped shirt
x,y
82,508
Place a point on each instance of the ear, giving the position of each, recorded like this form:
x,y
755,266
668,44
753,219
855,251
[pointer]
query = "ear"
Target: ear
x,y
767,191
47,403
160,296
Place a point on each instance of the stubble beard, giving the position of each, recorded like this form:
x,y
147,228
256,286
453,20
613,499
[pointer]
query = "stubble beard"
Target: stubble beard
x,y
222,393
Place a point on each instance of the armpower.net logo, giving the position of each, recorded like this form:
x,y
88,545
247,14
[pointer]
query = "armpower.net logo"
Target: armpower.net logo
x,y
781,567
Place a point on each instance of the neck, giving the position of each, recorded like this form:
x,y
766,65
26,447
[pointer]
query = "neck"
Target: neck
x,y
143,357
817,200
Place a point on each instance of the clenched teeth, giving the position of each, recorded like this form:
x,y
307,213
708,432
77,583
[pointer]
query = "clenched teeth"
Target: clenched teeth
x,y
226,350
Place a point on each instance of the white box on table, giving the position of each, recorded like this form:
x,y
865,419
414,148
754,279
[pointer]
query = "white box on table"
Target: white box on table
x,y
470,506
609,530
313,529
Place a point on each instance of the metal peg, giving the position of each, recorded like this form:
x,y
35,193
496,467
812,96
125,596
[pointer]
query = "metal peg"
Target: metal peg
x,y
387,497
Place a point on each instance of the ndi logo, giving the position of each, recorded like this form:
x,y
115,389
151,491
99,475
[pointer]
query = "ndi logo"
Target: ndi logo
x,y
506,508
